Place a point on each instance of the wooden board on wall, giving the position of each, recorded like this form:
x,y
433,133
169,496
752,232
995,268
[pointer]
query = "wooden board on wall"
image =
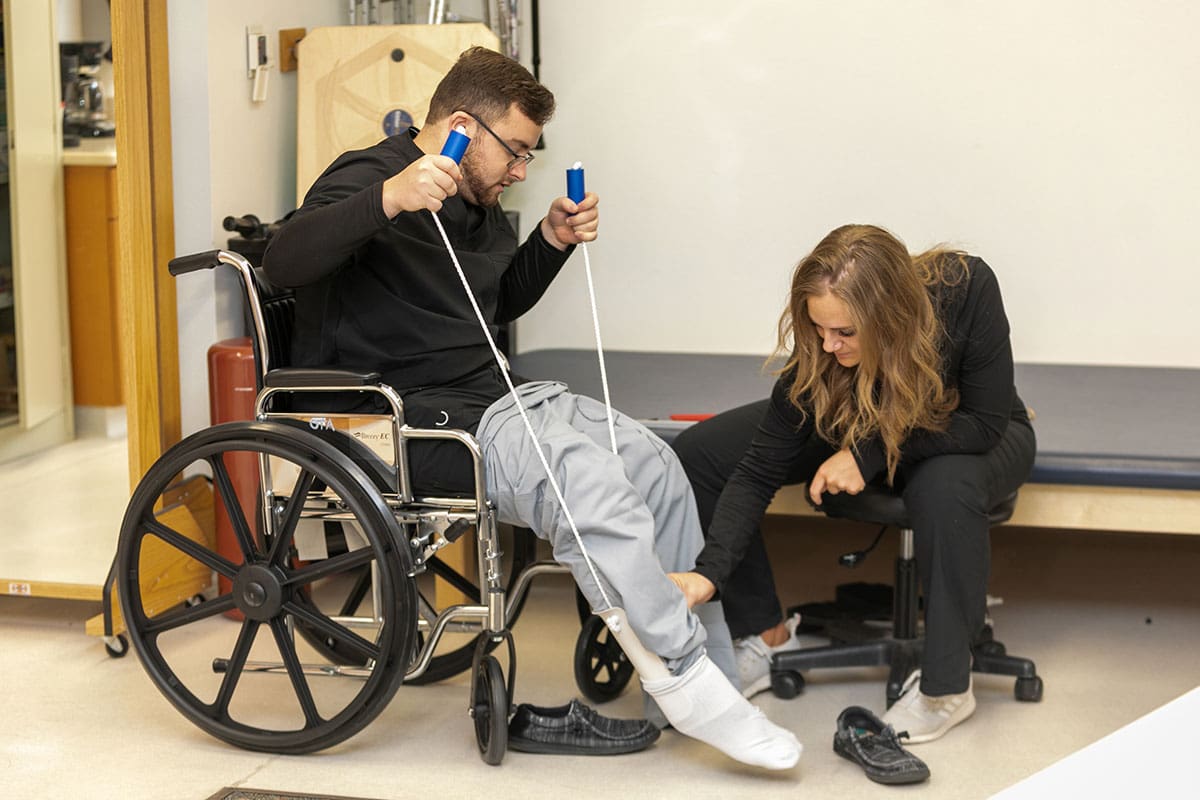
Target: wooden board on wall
x,y
350,86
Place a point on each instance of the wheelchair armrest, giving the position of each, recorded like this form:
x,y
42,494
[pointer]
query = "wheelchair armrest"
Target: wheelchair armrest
x,y
305,378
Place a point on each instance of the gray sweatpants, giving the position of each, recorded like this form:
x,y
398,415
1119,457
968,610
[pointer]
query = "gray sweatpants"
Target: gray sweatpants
x,y
634,512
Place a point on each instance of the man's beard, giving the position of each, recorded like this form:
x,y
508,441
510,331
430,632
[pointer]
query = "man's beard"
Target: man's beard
x,y
481,193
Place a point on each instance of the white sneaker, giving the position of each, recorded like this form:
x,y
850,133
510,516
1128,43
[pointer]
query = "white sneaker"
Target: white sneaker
x,y
754,658
927,718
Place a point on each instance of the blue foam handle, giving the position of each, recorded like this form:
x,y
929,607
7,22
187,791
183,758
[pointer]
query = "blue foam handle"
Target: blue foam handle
x,y
575,189
456,144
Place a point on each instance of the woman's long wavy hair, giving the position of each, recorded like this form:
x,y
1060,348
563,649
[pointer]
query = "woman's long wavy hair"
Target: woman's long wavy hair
x,y
896,386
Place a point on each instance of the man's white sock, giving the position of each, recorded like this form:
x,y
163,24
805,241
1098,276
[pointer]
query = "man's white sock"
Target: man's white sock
x,y
703,704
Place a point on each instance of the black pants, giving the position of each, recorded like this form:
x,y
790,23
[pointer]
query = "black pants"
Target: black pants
x,y
948,498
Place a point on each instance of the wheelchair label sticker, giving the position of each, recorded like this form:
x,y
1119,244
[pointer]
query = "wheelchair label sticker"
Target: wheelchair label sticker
x,y
376,434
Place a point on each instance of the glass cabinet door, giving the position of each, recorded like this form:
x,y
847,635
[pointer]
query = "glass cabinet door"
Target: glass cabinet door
x,y
8,328
35,377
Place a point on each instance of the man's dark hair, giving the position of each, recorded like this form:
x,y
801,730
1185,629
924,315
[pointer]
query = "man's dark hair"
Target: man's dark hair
x,y
486,83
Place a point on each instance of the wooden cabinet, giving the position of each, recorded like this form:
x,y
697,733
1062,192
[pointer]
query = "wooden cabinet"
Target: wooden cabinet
x,y
92,251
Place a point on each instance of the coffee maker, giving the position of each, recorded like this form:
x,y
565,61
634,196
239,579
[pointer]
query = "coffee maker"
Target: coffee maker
x,y
82,94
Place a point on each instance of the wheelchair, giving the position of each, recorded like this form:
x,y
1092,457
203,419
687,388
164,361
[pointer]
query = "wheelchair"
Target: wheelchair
x,y
334,565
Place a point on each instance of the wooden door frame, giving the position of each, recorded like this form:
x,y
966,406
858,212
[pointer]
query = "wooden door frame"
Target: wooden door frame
x,y
149,326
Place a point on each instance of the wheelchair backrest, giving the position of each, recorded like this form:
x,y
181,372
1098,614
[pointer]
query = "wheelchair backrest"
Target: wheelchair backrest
x,y
272,314
273,327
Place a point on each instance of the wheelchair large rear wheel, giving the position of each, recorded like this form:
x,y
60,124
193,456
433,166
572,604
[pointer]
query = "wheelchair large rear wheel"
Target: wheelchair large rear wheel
x,y
520,550
234,696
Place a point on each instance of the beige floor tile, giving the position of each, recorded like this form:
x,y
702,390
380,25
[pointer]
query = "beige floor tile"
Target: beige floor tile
x,y
1110,619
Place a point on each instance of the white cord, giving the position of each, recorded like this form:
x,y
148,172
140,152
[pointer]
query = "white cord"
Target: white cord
x,y
512,390
587,270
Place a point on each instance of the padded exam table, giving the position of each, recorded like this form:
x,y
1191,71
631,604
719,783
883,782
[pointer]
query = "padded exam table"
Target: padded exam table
x,y
1130,427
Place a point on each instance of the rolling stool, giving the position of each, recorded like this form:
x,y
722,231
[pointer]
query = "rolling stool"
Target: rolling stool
x,y
901,651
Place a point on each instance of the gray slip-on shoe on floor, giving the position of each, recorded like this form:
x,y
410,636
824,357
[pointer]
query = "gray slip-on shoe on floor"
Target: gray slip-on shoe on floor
x,y
864,739
576,729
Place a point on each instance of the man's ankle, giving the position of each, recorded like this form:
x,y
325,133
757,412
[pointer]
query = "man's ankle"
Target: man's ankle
x,y
773,637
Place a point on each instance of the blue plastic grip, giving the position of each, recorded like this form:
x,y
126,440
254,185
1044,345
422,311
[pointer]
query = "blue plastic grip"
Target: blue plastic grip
x,y
456,144
575,189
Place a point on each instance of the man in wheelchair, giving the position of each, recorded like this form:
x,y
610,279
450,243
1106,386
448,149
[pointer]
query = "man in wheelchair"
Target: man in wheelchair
x,y
376,289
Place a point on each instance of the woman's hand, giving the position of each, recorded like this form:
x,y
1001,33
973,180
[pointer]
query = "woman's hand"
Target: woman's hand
x,y
838,474
696,588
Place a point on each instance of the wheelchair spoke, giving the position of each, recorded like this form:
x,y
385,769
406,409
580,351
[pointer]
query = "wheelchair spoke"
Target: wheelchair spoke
x,y
287,650
187,615
330,628
291,515
425,608
355,597
233,672
233,507
454,578
610,650
330,566
598,667
191,547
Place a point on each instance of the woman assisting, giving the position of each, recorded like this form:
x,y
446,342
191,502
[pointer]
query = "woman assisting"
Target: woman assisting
x,y
899,372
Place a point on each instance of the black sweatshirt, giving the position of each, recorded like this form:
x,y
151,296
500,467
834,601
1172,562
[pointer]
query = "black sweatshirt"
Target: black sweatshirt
x,y
976,359
383,295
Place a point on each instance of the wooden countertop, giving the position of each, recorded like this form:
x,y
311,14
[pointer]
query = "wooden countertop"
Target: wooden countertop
x,y
99,152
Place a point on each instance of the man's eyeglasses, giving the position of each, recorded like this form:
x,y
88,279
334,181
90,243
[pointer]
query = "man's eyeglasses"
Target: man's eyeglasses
x,y
516,158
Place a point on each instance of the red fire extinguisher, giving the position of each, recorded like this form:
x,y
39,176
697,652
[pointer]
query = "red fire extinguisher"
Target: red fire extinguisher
x,y
231,395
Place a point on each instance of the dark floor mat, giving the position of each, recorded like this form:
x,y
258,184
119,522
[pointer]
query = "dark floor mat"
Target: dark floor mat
x,y
229,793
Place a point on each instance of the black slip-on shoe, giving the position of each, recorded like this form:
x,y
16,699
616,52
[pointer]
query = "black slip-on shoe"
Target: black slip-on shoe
x,y
575,729
864,739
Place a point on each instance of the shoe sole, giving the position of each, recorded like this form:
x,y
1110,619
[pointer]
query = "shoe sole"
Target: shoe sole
x,y
942,731
889,779
757,687
546,748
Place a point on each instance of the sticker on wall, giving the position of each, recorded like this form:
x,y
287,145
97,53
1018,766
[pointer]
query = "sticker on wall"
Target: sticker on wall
x,y
396,121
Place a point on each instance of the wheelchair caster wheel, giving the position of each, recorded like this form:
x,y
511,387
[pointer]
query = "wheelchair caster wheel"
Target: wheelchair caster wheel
x,y
117,646
602,669
786,685
1028,690
489,710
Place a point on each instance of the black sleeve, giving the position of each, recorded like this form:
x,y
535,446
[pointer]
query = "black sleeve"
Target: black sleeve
x,y
780,437
341,212
984,379
534,267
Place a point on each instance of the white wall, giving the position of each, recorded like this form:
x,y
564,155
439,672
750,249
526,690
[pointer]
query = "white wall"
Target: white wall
x,y
1057,140
230,156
